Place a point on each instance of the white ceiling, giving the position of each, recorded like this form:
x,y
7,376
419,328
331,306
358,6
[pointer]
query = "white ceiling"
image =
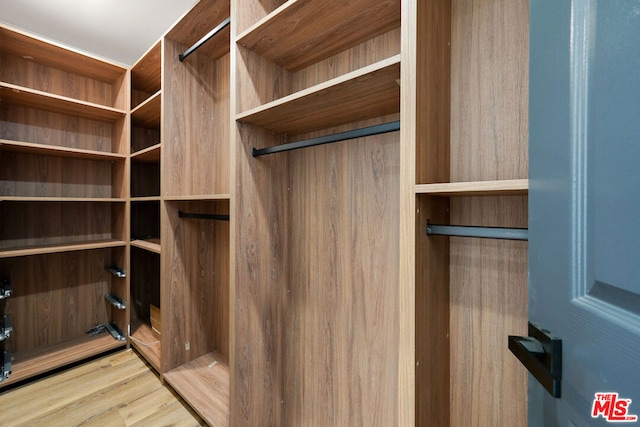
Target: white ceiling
x,y
118,30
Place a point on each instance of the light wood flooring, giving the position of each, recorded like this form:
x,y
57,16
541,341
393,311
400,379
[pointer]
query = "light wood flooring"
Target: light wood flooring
x,y
116,390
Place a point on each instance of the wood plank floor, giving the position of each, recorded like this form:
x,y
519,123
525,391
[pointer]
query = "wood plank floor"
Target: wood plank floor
x,y
116,390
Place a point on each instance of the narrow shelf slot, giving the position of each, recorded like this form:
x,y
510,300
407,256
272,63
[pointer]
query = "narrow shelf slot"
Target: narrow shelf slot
x,y
216,217
49,249
478,232
336,137
19,95
204,384
366,93
295,35
204,39
57,151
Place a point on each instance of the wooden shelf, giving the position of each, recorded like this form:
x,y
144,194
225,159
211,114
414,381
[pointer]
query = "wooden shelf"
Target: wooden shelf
x,y
147,114
151,245
204,384
50,249
146,199
295,35
47,358
57,151
56,56
146,75
149,154
143,340
198,22
60,199
26,97
366,93
197,197
510,187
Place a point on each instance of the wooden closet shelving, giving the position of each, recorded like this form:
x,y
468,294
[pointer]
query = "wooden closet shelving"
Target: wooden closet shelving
x,y
63,200
147,113
506,187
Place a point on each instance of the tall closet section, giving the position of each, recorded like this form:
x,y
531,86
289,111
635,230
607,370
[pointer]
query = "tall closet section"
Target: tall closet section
x,y
63,204
469,110
316,231
180,195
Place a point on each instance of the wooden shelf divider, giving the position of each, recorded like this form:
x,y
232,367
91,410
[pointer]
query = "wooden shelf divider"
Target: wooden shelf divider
x,y
151,245
61,199
476,188
295,35
149,154
57,151
147,114
366,93
31,98
50,249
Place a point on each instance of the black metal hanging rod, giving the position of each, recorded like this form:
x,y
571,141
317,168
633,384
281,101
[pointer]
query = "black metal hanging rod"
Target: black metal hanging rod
x,y
203,40
335,137
203,216
481,232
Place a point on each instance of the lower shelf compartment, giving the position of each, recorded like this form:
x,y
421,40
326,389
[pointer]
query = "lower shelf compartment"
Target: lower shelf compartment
x,y
27,365
145,342
204,384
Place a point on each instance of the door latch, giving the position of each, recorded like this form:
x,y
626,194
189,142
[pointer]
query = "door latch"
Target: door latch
x,y
541,354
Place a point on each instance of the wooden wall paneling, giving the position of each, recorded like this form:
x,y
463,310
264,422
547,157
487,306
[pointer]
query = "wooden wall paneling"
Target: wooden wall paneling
x,y
261,273
196,114
57,297
146,76
489,90
142,138
341,318
195,290
488,303
251,12
145,178
120,135
43,127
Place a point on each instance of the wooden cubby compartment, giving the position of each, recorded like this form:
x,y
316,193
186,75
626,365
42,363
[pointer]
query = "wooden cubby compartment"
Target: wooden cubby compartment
x,y
146,76
57,298
195,274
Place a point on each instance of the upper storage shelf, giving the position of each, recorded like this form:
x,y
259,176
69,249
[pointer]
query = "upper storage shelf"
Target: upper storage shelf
x,y
51,55
26,97
369,92
146,76
198,22
295,35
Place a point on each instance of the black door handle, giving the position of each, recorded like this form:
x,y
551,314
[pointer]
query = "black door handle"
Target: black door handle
x,y
541,354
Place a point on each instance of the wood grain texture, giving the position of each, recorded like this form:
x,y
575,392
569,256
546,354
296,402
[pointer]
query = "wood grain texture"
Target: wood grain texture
x,y
195,287
37,126
488,303
144,138
296,34
145,178
204,384
146,75
49,150
147,113
40,249
506,187
56,298
29,175
23,96
196,124
199,21
489,90
366,93
250,12
52,55
149,154
147,344
116,390
22,72
145,219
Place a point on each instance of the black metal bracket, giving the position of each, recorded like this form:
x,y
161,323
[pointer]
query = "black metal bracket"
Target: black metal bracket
x,y
541,354
116,301
118,272
475,231
217,217
5,289
5,368
203,40
5,328
115,332
335,137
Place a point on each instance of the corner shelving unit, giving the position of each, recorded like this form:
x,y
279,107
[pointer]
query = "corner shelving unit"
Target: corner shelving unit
x,y
63,200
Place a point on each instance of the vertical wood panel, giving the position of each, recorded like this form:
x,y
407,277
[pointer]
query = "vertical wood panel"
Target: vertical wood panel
x,y
196,113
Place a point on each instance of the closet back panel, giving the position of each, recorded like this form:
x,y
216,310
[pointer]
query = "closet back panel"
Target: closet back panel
x,y
195,270
56,297
196,114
